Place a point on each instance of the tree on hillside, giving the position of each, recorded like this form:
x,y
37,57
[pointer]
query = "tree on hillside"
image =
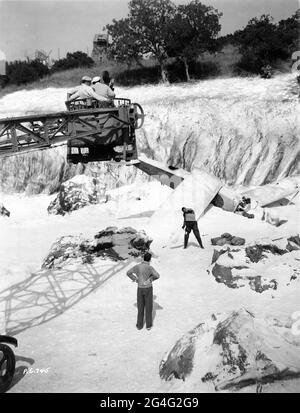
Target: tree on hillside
x,y
145,30
21,72
289,30
124,46
192,31
73,60
262,42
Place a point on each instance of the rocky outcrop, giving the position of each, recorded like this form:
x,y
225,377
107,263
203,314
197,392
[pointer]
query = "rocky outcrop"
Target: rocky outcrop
x,y
233,351
3,211
240,267
46,171
42,172
179,362
113,243
77,193
257,283
293,243
227,238
255,253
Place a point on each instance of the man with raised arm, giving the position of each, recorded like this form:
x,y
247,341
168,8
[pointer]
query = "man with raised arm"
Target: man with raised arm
x,y
190,224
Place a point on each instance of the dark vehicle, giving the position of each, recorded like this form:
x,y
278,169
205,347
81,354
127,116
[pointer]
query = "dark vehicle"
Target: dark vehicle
x,y
7,362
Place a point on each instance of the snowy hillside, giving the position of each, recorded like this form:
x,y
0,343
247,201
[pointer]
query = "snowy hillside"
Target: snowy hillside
x,y
243,130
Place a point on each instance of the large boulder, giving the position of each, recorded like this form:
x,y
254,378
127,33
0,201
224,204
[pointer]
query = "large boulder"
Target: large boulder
x,y
77,193
233,351
3,211
113,243
260,266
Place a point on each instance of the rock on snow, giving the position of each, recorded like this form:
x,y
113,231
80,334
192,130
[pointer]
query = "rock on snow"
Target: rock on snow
x,y
3,211
114,243
76,193
261,266
233,352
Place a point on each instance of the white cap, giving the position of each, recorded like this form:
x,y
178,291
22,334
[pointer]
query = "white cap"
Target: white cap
x,y
96,79
86,79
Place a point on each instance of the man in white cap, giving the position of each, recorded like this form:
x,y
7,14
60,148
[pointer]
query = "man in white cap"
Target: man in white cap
x,y
95,80
85,91
103,89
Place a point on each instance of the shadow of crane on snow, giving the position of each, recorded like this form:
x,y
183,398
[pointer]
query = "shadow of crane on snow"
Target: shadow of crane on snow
x,y
49,293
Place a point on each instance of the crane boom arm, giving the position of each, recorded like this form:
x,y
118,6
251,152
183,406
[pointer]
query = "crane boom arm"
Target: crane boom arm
x,y
45,130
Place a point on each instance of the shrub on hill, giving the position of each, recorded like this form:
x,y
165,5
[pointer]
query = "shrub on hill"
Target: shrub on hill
x,y
262,42
138,76
71,61
176,71
22,72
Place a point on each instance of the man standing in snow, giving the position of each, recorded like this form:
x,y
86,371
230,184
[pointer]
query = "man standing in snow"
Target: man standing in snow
x,y
189,224
143,274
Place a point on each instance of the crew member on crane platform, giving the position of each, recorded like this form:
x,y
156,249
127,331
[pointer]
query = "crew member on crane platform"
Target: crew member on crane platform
x,y
104,87
85,91
190,224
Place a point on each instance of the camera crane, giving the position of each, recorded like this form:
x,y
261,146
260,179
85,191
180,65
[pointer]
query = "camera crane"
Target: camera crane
x,y
91,133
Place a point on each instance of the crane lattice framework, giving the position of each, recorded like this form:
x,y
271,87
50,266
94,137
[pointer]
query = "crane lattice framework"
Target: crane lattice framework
x,y
91,133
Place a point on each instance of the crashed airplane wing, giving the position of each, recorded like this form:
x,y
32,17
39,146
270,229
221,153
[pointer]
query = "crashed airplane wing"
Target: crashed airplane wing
x,y
267,194
196,192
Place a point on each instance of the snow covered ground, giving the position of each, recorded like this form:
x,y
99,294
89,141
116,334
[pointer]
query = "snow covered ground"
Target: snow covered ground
x,y
91,344
96,338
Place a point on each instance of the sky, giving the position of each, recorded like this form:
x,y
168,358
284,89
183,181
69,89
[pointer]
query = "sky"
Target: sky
x,y
70,25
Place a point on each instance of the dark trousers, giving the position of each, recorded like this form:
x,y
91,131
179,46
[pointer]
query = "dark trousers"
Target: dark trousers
x,y
192,226
144,302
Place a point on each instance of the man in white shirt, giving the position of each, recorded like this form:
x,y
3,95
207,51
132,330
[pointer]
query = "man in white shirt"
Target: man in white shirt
x,y
103,89
85,91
